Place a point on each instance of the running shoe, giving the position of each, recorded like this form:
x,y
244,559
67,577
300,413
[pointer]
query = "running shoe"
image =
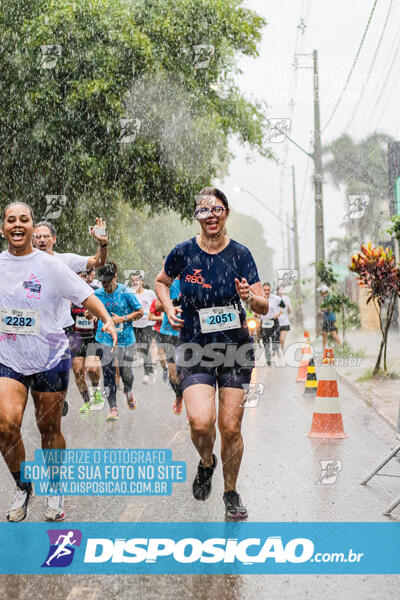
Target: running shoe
x,y
55,508
202,481
19,506
177,406
98,401
130,400
65,408
234,509
85,408
113,416
146,380
165,375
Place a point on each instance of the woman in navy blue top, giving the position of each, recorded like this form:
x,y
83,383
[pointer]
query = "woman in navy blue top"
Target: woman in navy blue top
x,y
216,275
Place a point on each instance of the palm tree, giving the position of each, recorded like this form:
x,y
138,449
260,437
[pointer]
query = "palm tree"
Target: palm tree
x,y
362,168
343,248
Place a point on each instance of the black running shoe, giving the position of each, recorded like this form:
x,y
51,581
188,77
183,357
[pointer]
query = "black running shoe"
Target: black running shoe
x,y
202,481
234,509
65,408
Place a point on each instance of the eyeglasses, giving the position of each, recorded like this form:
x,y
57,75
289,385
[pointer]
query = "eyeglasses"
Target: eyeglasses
x,y
204,213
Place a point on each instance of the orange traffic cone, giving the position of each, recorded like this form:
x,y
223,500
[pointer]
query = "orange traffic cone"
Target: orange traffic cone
x,y
306,354
327,418
311,381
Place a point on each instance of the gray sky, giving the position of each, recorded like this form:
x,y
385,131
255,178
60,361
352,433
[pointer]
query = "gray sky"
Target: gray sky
x,y
335,29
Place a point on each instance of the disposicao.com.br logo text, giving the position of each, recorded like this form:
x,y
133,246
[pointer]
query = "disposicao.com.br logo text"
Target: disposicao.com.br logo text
x,y
213,550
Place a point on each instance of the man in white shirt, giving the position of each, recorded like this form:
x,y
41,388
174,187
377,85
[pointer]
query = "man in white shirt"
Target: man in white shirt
x,y
284,321
44,238
270,322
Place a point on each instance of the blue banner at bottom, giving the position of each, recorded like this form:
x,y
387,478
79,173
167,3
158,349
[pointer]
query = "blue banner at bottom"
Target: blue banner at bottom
x,y
189,548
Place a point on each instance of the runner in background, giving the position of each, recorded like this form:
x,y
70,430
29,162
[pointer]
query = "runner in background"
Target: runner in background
x,y
270,322
284,321
83,361
144,327
91,279
123,307
34,350
156,314
170,340
329,318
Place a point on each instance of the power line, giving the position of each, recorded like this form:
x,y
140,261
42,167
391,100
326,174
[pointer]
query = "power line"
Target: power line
x,y
351,120
382,89
352,68
390,97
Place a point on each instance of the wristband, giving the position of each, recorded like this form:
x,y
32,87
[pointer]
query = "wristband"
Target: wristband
x,y
103,245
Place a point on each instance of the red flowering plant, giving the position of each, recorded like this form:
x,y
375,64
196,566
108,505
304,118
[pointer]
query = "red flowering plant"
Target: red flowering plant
x,y
379,274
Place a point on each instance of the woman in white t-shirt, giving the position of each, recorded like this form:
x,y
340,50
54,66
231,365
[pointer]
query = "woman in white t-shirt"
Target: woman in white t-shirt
x,y
284,322
144,327
34,350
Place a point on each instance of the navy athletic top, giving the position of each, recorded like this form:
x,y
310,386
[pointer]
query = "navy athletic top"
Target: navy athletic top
x,y
209,280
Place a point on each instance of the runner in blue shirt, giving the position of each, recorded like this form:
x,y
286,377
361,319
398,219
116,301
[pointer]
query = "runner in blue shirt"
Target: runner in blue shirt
x,y
216,274
123,306
329,318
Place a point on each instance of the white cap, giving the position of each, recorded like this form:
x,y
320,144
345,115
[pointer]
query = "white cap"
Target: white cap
x,y
323,288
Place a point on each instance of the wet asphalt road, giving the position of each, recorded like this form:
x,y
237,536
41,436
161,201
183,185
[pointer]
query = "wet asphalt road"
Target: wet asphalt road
x,y
277,482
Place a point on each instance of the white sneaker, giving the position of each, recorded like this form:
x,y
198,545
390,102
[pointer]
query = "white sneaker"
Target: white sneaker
x,y
55,508
146,380
98,401
19,506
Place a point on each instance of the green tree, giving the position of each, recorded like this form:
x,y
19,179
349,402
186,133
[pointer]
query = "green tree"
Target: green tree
x,y
325,273
361,167
249,231
342,248
72,71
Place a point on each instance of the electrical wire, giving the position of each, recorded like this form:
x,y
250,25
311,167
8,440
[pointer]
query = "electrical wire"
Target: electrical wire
x,y
385,82
361,96
352,68
389,98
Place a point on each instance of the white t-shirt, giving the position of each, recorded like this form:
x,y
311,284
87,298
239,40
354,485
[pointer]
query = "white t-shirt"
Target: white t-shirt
x,y
284,318
36,282
77,264
274,307
146,299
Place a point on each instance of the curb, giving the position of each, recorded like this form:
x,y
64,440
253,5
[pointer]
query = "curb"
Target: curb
x,y
368,397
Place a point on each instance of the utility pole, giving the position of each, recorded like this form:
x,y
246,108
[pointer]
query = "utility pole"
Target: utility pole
x,y
318,176
289,254
299,308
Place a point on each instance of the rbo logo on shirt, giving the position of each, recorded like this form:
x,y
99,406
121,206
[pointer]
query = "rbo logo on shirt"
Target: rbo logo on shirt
x,y
197,277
